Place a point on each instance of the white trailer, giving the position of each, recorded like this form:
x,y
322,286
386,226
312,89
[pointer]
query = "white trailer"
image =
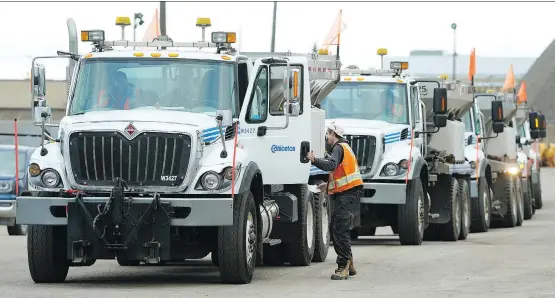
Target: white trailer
x,y
207,156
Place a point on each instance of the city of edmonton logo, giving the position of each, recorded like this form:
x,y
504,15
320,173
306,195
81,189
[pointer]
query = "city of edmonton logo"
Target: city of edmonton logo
x,y
277,148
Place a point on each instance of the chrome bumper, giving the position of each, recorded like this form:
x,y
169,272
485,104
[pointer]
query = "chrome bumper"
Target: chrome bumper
x,y
385,193
204,211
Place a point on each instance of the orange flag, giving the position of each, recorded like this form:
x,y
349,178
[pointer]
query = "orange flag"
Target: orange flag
x,y
522,94
472,65
333,37
509,83
153,30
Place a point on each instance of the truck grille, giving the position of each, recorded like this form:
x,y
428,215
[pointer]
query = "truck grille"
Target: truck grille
x,y
150,159
364,149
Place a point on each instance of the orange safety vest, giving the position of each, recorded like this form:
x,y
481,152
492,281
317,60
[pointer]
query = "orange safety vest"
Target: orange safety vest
x,y
103,99
346,175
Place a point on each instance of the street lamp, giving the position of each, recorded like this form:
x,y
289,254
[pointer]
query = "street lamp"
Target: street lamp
x,y
454,26
137,21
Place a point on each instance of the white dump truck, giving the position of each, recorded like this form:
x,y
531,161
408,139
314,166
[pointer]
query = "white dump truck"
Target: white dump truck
x,y
171,151
530,129
496,115
413,170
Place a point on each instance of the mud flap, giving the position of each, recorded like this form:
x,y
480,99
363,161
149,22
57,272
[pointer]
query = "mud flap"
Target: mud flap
x,y
119,227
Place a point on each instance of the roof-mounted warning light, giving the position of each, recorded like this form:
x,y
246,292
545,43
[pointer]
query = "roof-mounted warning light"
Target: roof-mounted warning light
x,y
399,65
123,22
92,35
203,23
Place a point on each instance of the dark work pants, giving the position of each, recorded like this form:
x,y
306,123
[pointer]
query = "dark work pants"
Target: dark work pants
x,y
341,224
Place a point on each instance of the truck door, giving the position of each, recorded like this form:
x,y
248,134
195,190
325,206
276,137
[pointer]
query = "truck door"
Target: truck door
x,y
417,119
276,143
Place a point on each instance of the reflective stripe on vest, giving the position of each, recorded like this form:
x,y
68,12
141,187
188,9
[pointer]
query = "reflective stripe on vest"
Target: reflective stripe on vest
x,y
346,175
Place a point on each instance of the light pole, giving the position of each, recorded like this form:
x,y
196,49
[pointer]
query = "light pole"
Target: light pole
x,y
137,21
454,26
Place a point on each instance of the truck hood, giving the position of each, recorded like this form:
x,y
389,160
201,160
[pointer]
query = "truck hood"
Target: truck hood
x,y
158,116
360,126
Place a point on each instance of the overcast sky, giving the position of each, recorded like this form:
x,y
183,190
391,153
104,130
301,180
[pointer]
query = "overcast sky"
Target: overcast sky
x,y
494,29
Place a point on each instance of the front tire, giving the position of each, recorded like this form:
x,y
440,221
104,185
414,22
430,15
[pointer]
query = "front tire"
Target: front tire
x,y
237,244
411,215
301,249
510,218
519,198
46,253
537,193
481,208
528,204
322,231
465,199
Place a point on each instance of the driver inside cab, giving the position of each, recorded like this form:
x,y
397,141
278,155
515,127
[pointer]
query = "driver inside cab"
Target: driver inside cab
x,y
389,106
120,95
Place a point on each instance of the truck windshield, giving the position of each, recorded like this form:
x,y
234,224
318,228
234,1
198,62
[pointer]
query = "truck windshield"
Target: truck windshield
x,y
199,86
368,101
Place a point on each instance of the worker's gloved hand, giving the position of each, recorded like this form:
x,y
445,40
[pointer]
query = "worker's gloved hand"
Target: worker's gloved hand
x,y
311,156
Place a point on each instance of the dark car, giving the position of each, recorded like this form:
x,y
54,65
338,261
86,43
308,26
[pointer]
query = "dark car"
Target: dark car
x,y
7,184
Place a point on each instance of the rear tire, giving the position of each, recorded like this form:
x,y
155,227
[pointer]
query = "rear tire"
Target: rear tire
x,y
237,244
322,231
450,231
46,253
465,207
302,248
481,208
17,230
411,215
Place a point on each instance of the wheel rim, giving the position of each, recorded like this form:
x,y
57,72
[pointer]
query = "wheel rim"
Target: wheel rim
x,y
310,226
486,206
250,237
324,220
457,215
421,210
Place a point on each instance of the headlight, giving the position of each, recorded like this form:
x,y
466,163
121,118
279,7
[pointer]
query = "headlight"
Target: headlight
x,y
228,173
513,170
390,169
50,178
473,165
34,170
6,186
210,181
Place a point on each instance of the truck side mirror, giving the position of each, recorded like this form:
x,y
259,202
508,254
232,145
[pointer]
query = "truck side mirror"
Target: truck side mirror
x,y
39,81
440,107
542,126
518,139
292,90
534,125
497,116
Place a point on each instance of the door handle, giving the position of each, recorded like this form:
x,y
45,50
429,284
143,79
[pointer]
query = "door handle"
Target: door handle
x,y
305,147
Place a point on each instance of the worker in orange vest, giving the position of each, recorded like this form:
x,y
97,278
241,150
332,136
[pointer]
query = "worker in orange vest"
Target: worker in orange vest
x,y
120,96
344,188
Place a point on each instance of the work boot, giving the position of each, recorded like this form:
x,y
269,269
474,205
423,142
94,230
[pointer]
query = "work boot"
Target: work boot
x,y
351,267
341,273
